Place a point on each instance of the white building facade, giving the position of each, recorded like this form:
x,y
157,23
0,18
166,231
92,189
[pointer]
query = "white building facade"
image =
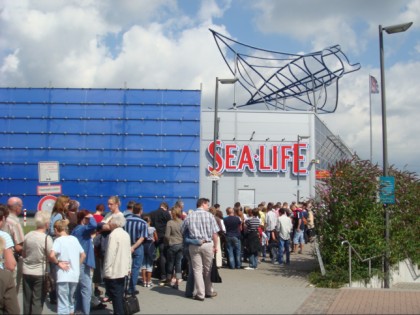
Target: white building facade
x,y
265,156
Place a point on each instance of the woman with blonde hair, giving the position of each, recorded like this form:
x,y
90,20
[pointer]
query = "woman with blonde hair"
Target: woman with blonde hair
x,y
174,239
59,212
67,254
36,247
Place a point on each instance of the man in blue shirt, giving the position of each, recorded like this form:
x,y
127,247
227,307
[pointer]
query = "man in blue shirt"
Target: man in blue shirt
x,y
86,225
136,227
233,226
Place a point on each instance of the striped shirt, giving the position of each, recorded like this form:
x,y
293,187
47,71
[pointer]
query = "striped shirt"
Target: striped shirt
x,y
252,224
201,225
136,227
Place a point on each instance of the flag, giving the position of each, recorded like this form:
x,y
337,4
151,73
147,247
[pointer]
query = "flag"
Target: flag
x,y
374,88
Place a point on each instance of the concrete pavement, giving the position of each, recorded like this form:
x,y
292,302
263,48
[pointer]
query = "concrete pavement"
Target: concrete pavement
x,y
277,290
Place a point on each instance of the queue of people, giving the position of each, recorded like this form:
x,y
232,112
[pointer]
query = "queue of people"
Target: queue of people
x,y
126,249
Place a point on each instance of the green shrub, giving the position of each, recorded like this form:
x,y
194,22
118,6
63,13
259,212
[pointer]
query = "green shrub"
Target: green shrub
x,y
346,208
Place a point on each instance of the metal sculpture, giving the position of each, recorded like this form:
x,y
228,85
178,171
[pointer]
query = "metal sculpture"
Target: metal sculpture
x,y
286,81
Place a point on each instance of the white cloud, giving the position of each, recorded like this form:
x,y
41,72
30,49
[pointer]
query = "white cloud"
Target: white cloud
x,y
153,44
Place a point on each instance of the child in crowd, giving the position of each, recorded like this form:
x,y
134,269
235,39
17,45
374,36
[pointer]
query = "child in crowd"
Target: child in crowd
x,y
149,254
264,242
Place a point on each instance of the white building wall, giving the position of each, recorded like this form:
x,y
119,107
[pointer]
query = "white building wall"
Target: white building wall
x,y
255,128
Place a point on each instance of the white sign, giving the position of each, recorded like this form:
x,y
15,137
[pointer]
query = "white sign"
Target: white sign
x,y
46,203
48,172
49,190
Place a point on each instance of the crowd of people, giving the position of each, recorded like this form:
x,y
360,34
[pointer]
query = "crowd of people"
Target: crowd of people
x,y
81,251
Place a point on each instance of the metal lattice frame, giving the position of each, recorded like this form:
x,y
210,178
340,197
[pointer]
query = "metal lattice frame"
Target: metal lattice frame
x,y
272,78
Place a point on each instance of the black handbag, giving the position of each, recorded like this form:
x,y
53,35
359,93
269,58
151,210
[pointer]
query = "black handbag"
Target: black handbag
x,y
131,303
215,277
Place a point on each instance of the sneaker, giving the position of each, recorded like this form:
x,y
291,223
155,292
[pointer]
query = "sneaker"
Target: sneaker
x,y
211,295
276,263
249,268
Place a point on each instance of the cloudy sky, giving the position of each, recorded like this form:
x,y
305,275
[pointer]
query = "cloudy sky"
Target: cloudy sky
x,y
166,44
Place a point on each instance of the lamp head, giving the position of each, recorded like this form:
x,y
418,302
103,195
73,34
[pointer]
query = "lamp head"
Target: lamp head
x,y
228,81
397,28
303,137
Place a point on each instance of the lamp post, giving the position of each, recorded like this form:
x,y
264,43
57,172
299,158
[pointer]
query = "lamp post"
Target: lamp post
x,y
389,30
298,166
215,133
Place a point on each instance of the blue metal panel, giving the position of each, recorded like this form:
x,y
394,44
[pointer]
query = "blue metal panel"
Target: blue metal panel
x,y
142,145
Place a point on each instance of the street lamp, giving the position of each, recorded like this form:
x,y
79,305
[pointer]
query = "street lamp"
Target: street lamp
x,y
298,165
390,30
215,133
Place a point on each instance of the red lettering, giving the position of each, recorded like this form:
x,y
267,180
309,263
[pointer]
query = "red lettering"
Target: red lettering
x,y
262,159
246,159
285,157
219,159
230,158
233,158
298,158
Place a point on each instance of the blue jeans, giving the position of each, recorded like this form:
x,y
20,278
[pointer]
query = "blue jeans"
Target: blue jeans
x,y
137,261
162,258
149,257
284,245
174,258
115,288
233,245
263,251
253,260
84,290
189,288
65,294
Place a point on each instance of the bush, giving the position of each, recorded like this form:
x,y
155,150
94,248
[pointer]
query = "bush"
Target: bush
x,y
346,208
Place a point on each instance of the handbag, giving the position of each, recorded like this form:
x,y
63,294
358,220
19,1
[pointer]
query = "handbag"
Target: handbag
x,y
47,278
131,303
214,276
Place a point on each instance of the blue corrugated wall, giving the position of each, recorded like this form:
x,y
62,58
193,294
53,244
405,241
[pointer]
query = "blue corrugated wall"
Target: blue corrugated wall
x,y
141,145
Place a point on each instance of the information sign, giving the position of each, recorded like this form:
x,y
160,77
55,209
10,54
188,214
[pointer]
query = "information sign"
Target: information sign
x,y
387,189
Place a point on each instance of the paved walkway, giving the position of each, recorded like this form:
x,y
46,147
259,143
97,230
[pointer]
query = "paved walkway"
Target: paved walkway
x,y
277,290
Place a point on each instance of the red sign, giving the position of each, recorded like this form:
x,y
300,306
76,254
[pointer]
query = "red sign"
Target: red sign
x,y
321,174
47,203
267,158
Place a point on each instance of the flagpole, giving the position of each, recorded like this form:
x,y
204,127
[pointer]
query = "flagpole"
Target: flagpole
x,y
370,115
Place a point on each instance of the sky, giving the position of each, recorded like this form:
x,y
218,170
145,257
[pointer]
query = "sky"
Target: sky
x,y
166,44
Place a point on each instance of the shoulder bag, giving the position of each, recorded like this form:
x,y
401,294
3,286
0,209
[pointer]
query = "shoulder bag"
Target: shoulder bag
x,y
47,278
214,276
131,303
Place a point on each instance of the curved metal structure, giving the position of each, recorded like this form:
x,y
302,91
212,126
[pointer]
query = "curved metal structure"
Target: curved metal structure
x,y
286,81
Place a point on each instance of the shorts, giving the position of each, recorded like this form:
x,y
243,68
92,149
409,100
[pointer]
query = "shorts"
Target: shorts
x,y
298,238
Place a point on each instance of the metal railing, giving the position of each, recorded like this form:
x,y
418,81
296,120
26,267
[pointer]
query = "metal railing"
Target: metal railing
x,y
369,260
